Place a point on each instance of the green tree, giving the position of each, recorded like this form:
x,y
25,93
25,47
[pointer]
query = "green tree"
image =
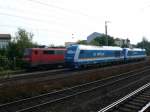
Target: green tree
x,y
3,51
101,41
145,44
22,40
82,42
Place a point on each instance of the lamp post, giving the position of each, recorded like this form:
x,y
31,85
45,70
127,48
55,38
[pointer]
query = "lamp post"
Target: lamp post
x,y
106,31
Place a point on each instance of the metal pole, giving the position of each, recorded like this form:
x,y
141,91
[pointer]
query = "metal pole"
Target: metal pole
x,y
106,32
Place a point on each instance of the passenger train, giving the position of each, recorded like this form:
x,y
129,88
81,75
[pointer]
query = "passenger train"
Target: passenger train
x,y
78,56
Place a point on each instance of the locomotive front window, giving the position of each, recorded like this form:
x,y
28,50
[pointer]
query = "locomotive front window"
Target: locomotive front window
x,y
71,50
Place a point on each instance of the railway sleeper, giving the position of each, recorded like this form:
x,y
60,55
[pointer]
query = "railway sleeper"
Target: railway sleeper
x,y
139,100
134,107
136,103
124,109
145,96
142,98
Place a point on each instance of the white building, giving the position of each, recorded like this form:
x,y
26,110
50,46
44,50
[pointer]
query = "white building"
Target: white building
x,y
4,40
69,43
122,42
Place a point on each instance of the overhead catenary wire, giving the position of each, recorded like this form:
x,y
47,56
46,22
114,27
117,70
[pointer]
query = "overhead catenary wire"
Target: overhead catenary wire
x,y
50,19
60,8
29,18
32,28
93,20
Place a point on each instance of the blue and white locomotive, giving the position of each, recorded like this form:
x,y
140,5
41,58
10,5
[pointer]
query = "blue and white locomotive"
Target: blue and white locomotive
x,y
134,54
83,55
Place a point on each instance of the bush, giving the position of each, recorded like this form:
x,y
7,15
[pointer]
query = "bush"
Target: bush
x,y
11,64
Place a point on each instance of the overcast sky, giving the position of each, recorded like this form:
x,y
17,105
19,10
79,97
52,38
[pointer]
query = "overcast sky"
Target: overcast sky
x,y
58,21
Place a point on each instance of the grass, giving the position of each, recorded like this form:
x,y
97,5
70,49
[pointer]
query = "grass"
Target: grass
x,y
8,72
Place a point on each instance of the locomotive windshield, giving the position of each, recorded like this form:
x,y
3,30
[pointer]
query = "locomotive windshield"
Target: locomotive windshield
x,y
70,53
71,50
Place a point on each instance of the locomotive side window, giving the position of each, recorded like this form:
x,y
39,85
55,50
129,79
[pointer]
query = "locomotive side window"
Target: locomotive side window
x,y
35,52
117,53
48,52
59,52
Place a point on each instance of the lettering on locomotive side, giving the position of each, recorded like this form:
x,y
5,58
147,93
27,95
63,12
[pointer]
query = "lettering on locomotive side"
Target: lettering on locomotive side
x,y
100,54
134,53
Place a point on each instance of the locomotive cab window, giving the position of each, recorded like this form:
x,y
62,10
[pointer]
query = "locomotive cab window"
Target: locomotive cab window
x,y
82,52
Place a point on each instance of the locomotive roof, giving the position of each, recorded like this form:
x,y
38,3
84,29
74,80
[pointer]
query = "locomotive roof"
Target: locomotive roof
x,y
89,47
135,49
138,49
47,48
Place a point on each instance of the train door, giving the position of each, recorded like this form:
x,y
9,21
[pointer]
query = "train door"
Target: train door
x,y
36,57
125,53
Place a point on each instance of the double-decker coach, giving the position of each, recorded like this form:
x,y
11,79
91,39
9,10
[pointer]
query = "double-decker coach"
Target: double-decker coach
x,y
83,55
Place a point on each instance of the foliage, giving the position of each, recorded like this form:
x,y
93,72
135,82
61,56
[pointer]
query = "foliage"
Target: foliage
x,y
101,41
3,52
84,42
11,56
22,40
144,44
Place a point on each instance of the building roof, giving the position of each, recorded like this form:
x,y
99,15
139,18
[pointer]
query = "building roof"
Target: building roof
x,y
5,36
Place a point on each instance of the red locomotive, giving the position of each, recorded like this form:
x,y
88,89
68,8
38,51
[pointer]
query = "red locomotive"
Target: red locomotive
x,y
35,57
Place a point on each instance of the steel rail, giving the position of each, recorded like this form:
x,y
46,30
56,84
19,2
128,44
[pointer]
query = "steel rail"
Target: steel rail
x,y
30,109
32,74
125,98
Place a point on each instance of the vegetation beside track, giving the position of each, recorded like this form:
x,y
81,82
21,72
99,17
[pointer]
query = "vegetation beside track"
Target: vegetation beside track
x,y
11,56
8,73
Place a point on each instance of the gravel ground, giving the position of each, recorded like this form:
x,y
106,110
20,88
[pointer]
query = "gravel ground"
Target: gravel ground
x,y
18,90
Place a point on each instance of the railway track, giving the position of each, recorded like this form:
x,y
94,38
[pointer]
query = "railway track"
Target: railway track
x,y
38,103
137,101
51,74
33,75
